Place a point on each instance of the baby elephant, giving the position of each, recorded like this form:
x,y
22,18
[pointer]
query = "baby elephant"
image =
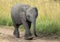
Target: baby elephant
x,y
24,15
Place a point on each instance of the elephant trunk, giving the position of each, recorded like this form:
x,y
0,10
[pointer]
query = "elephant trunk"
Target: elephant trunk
x,y
34,27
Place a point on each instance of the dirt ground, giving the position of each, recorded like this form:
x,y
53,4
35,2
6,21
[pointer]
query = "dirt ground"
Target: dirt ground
x,y
6,35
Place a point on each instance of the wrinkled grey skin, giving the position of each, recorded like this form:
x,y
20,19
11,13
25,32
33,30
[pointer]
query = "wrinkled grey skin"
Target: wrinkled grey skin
x,y
24,15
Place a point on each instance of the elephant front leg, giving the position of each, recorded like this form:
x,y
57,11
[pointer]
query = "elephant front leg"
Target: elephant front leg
x,y
16,32
28,34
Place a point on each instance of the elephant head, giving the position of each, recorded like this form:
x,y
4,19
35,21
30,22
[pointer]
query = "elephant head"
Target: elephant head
x,y
32,14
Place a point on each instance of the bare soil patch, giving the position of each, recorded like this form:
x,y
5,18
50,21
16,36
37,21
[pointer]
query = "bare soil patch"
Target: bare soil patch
x,y
6,35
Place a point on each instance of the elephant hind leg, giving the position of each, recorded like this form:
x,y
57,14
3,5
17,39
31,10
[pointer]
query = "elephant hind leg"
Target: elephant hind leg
x,y
16,31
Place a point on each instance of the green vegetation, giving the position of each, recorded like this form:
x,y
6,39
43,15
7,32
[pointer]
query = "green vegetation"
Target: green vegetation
x,y
48,27
4,21
48,20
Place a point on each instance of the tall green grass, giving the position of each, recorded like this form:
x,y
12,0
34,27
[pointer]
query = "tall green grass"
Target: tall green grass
x,y
6,21
48,26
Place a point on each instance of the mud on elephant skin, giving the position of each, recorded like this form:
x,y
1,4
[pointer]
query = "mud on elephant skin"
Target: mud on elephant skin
x,y
25,15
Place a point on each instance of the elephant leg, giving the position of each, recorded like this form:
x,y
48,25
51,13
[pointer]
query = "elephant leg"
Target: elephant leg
x,y
16,31
28,34
29,25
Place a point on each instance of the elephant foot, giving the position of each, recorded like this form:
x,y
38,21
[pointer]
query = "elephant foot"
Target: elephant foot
x,y
28,38
16,35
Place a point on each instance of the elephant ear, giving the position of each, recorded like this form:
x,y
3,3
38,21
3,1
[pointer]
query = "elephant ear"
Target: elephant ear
x,y
32,11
